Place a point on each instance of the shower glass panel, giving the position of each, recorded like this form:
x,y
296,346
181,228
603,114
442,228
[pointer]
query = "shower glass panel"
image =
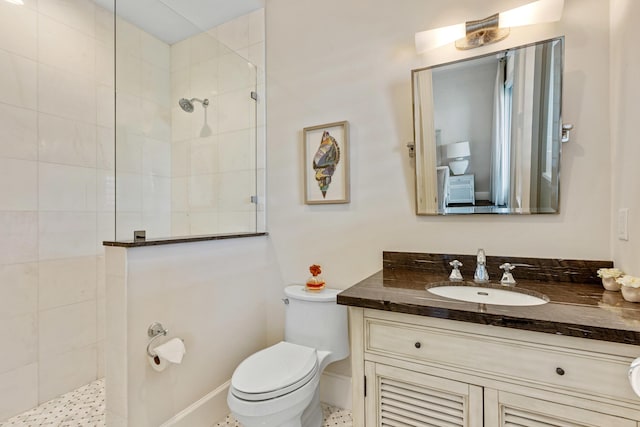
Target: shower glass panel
x,y
187,116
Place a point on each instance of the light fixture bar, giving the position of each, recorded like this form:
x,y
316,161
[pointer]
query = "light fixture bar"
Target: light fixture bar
x,y
494,28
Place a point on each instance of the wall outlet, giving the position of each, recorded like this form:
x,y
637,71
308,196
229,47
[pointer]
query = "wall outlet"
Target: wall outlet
x,y
623,224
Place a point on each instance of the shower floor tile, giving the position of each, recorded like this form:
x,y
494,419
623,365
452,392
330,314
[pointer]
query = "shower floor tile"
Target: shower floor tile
x,y
332,417
83,407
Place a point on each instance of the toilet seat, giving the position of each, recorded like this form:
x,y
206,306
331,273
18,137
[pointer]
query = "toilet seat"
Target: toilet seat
x,y
274,372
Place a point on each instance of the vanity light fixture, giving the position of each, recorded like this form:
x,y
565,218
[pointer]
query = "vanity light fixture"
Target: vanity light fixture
x,y
18,2
494,28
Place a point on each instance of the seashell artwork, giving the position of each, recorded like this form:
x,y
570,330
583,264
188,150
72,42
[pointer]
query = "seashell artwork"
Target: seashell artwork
x,y
325,161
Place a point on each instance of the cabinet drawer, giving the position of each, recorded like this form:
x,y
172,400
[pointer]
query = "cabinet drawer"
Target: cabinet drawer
x,y
490,357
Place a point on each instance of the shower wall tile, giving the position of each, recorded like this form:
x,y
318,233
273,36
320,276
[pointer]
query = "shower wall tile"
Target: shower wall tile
x,y
79,184
256,27
104,26
238,150
78,14
204,222
67,281
157,224
106,198
18,185
235,189
66,371
180,55
129,193
155,51
128,39
156,120
179,195
236,222
19,290
66,234
19,237
18,133
202,47
129,152
156,194
60,331
105,63
19,390
66,95
155,84
198,120
18,30
235,33
180,224
235,111
203,190
235,73
203,155
105,137
19,80
65,48
128,74
65,141
19,334
127,223
105,105
181,128
156,157
180,158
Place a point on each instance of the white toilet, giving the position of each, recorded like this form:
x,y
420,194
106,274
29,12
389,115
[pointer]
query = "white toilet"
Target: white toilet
x,y
279,386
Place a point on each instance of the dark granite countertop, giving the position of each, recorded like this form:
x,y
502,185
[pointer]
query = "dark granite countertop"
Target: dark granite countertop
x,y
583,310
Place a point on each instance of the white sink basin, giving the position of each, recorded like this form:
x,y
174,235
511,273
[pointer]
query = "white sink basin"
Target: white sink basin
x,y
488,295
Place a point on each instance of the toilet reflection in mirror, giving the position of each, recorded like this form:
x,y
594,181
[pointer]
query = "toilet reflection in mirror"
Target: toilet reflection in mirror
x,y
487,132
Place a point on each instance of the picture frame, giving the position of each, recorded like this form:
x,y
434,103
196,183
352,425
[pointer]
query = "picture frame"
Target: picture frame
x,y
326,164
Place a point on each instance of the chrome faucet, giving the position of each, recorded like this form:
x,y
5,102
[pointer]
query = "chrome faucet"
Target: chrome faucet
x,y
481,274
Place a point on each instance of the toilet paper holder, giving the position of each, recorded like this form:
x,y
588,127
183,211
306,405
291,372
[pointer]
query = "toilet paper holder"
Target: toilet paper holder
x,y
155,330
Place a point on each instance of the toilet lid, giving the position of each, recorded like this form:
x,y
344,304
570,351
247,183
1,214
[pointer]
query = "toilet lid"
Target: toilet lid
x,y
274,371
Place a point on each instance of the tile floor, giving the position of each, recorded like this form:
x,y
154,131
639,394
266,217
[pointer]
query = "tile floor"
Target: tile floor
x,y
84,407
332,417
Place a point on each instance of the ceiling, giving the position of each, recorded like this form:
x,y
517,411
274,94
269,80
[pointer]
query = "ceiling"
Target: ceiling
x,y
175,20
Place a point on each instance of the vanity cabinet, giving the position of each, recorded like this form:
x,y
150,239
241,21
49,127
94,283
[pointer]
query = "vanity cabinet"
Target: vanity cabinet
x,y
422,371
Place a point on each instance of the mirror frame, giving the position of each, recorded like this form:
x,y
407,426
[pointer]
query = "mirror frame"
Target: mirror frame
x,y
423,167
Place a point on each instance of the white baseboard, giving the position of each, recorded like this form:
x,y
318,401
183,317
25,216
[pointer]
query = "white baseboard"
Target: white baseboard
x,y
204,412
335,390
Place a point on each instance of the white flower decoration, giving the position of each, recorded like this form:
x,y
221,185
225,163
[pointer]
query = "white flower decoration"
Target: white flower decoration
x,y
605,273
630,281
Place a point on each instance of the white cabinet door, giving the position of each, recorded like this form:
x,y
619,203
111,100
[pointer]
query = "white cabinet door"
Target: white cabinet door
x,y
401,398
506,409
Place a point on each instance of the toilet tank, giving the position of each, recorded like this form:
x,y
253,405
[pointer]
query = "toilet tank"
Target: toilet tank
x,y
314,319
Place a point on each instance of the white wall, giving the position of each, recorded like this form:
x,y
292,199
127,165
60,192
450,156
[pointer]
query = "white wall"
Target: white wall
x,y
56,196
625,108
352,61
211,294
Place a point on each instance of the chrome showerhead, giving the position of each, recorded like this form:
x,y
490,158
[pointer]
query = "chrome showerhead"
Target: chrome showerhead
x,y
186,105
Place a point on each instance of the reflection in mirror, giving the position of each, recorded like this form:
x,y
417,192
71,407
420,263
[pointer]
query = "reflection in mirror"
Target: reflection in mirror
x,y
487,133
189,118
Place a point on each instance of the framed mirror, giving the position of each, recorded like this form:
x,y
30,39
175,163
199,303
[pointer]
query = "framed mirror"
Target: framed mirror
x,y
487,132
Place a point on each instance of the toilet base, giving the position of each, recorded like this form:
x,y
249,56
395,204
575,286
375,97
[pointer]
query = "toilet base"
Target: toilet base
x,y
312,415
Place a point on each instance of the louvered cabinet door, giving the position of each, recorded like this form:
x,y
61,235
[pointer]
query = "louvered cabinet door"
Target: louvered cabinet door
x,y
402,398
504,409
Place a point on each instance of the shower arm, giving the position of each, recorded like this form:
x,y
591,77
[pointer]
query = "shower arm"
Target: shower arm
x,y
204,102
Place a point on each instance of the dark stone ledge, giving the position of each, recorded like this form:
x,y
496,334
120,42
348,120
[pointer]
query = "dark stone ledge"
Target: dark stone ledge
x,y
183,239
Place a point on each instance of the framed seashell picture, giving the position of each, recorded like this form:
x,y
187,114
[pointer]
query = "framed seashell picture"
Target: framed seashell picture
x,y
326,163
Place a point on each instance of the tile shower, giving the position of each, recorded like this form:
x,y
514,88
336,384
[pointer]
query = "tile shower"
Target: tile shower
x,y
58,180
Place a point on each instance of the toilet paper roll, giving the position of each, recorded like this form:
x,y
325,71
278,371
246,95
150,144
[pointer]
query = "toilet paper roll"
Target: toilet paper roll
x,y
172,351
634,375
157,363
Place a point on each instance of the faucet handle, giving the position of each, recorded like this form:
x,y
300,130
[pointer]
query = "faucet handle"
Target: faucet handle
x,y
507,277
455,273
